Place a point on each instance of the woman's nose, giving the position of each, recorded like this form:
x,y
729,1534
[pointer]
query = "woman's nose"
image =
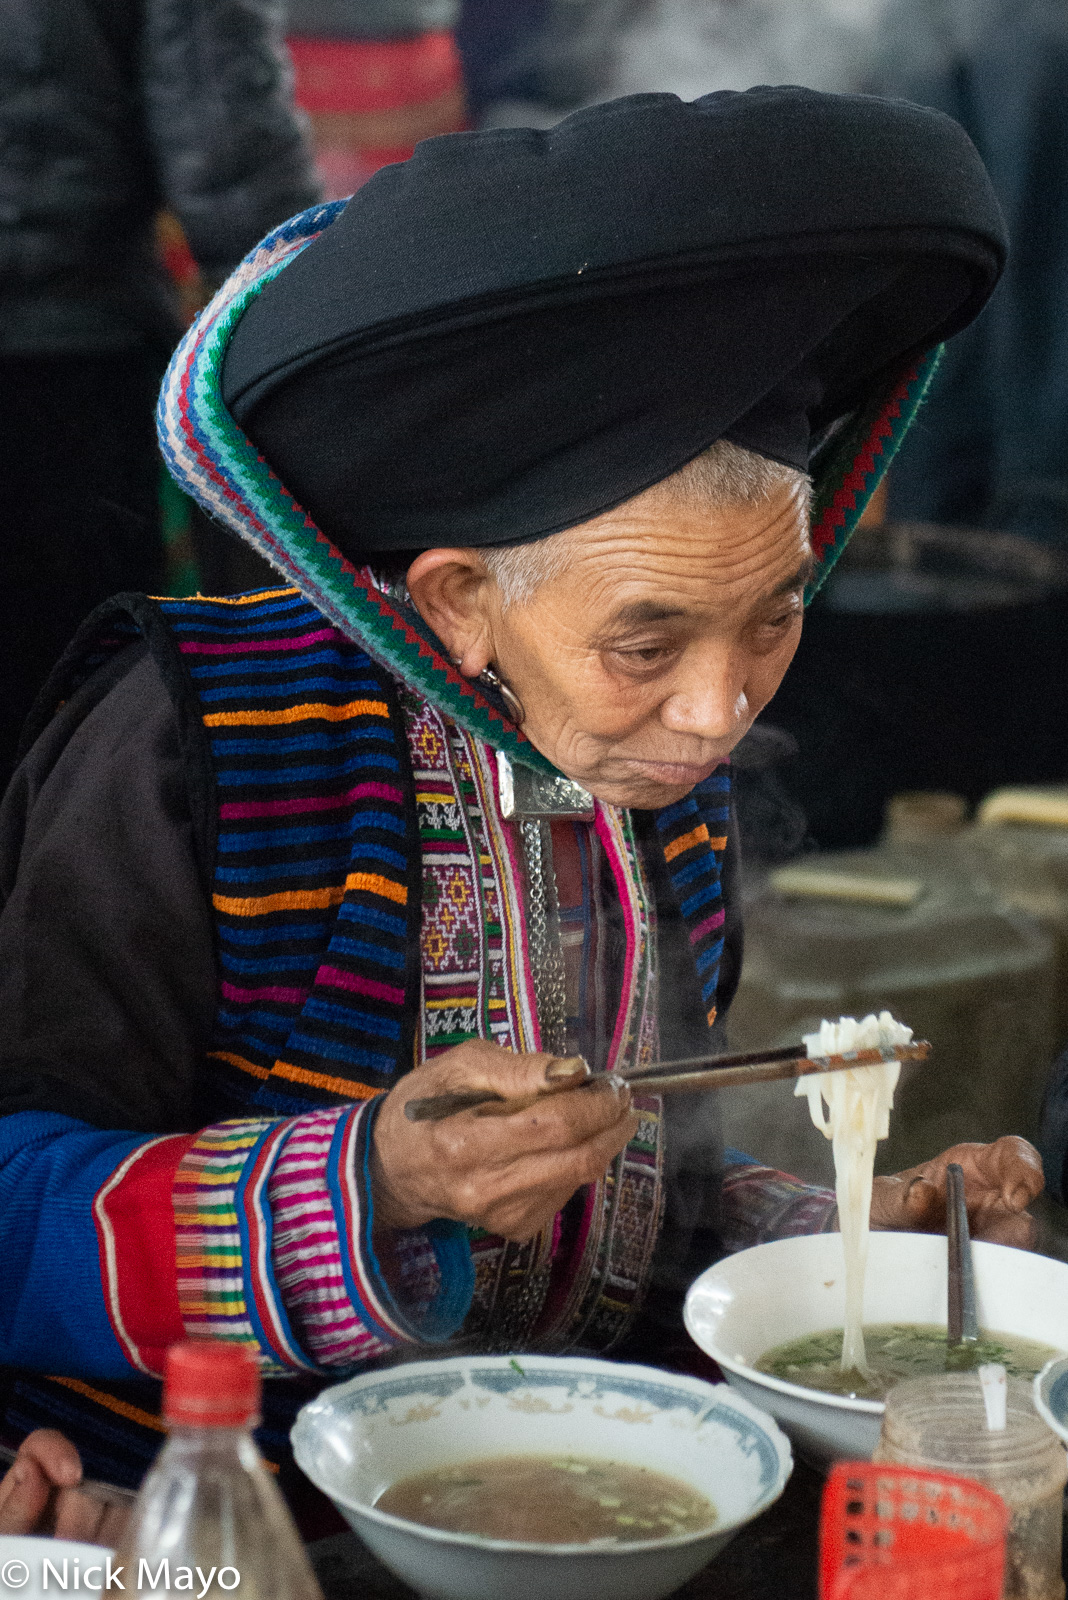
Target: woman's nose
x,y
713,705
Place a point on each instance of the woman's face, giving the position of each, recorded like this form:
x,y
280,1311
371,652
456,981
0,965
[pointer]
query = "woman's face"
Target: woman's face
x,y
642,665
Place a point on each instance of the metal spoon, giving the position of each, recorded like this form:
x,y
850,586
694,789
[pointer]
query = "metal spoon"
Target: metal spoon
x,y
962,1320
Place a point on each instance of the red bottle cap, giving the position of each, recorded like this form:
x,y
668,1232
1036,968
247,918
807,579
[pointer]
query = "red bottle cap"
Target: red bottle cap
x,y
209,1384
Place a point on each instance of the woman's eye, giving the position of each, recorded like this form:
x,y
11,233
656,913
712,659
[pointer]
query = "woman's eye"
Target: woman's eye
x,y
644,655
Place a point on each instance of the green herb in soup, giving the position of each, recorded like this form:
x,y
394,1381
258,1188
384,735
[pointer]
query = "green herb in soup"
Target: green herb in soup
x,y
896,1350
550,1500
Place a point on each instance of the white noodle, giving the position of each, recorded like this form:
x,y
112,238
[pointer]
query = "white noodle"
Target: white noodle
x,y
857,1116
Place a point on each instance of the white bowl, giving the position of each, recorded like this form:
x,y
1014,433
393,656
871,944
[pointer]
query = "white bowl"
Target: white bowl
x,y
776,1292
72,1566
1051,1395
357,1439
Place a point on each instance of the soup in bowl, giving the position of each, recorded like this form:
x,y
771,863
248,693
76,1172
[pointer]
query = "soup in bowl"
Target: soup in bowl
x,y
753,1303
613,1481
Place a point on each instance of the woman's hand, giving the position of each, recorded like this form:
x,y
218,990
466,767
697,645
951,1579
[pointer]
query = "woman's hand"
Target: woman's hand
x,y
1000,1181
40,1493
509,1174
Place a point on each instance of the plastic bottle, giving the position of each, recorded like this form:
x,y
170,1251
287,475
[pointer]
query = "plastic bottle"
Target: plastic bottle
x,y
941,1423
209,1520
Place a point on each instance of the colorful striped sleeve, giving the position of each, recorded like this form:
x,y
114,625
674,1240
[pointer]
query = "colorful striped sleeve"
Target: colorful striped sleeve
x,y
761,1203
116,1245
276,1246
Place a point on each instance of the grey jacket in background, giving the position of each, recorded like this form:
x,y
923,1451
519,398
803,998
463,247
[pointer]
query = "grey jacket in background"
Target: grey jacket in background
x,y
990,447
111,109
370,19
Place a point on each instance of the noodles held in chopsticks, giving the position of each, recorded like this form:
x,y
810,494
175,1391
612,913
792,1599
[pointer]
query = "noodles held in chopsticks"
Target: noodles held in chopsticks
x,y
852,1109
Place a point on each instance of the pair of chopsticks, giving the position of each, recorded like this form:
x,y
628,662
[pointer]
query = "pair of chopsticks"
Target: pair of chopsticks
x,y
666,1077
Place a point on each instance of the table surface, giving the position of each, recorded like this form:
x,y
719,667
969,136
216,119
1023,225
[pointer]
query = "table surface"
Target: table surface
x,y
773,1557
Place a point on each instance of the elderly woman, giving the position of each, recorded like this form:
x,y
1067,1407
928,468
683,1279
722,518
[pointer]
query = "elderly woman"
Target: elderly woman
x,y
527,429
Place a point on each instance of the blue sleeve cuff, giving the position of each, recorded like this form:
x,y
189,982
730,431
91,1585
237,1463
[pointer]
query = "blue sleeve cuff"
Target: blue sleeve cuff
x,y
439,1320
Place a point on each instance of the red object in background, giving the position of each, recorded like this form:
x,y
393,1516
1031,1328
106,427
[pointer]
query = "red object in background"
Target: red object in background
x,y
896,1533
177,258
373,74
371,100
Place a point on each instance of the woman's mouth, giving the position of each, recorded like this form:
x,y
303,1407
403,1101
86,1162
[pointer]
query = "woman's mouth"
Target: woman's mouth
x,y
674,772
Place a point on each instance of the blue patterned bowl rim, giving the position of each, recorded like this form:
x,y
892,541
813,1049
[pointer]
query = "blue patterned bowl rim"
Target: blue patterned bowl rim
x,y
756,1431
1050,1391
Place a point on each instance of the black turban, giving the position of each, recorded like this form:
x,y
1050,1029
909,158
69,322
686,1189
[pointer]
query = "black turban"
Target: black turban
x,y
515,330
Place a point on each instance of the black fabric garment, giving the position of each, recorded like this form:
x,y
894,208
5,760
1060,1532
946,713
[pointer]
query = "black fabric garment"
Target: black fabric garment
x,y
516,330
80,480
110,109
107,971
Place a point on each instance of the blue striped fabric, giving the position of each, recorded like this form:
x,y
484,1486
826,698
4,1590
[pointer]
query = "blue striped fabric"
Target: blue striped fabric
x,y
307,754
693,833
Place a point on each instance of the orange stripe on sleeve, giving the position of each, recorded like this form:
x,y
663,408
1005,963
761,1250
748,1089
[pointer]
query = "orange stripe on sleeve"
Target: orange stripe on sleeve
x,y
323,1080
374,884
239,1061
678,846
122,1408
312,711
285,900
256,599
310,899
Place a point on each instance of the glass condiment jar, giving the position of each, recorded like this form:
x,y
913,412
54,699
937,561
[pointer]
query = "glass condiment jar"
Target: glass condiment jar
x,y
940,1423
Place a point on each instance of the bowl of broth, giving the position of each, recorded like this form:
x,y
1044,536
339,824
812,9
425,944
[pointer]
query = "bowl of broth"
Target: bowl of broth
x,y
772,1317
564,1477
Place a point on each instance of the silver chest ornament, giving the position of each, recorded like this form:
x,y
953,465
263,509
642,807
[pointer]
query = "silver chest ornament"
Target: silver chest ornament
x,y
534,800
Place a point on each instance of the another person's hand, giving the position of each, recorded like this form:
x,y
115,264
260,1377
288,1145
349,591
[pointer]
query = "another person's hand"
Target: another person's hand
x,y
1000,1182
509,1174
41,1493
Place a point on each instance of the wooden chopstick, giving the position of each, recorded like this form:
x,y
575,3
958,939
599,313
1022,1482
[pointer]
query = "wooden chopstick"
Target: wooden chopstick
x,y
695,1075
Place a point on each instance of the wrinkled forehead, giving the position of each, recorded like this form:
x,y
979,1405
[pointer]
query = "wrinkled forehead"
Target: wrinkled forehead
x,y
662,557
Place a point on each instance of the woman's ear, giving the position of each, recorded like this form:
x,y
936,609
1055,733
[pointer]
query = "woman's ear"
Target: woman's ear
x,y
450,591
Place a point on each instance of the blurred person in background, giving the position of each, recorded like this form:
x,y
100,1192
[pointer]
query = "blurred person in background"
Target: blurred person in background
x,y
991,446
550,56
375,77
110,110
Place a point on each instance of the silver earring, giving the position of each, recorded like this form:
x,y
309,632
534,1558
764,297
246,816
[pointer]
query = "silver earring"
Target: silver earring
x,y
512,703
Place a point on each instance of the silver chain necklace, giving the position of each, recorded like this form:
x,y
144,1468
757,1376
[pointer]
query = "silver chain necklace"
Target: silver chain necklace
x,y
533,799
543,935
